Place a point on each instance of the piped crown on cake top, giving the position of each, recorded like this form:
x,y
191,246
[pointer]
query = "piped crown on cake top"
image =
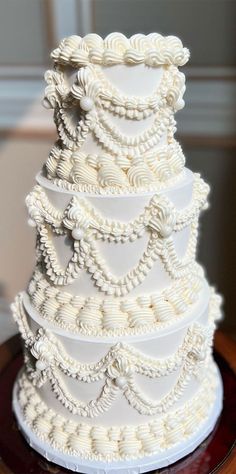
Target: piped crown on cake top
x,y
152,49
111,140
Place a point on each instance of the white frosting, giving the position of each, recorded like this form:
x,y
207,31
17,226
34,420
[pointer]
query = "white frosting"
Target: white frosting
x,y
116,124
96,316
77,171
174,374
118,367
113,442
152,49
100,131
82,109
92,87
118,321
164,238
119,138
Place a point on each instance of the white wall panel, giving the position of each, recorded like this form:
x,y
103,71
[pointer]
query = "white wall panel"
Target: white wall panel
x,y
23,37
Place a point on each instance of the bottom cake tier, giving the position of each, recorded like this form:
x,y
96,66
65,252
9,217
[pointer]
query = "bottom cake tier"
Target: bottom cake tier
x,y
88,449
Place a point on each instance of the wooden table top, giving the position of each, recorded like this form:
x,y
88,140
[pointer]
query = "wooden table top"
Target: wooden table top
x,y
217,454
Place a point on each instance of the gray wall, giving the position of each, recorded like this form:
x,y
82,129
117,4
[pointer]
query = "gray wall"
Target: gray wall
x,y
206,26
22,32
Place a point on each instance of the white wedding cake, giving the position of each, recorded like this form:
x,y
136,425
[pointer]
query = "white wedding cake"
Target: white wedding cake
x,y
118,319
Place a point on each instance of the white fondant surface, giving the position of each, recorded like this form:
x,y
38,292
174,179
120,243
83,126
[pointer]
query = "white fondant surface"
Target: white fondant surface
x,y
131,80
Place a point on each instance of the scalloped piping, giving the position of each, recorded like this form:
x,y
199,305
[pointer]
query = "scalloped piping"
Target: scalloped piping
x,y
100,317
113,443
79,171
117,367
108,135
152,50
86,188
91,83
169,92
86,256
159,218
87,86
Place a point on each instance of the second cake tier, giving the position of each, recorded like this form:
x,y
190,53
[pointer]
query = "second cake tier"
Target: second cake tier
x,y
113,264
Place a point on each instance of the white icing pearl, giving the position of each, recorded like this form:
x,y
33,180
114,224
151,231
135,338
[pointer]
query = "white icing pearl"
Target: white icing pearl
x,y
31,222
40,365
166,231
86,103
77,233
120,382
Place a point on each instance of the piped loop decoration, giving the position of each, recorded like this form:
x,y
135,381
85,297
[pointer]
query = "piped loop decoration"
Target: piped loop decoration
x,y
117,367
158,218
109,443
92,87
95,94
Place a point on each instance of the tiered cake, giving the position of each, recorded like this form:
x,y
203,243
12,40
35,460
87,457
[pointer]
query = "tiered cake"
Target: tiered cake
x,y
118,319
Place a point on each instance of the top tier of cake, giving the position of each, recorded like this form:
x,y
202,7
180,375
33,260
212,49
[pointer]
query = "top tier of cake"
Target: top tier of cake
x,y
114,102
